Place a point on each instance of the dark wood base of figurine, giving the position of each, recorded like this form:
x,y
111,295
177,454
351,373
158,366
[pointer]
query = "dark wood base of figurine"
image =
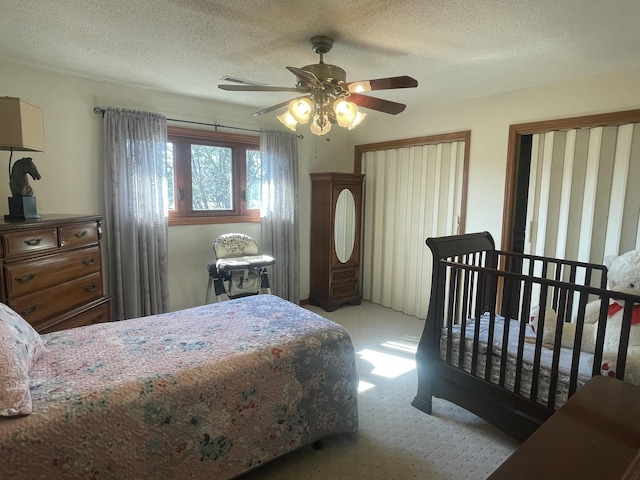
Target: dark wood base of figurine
x,y
22,208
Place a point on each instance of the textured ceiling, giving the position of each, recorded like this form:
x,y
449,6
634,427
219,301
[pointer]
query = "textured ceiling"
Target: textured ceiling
x,y
456,49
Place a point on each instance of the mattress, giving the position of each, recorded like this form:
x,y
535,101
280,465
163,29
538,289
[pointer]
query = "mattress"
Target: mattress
x,y
208,392
585,365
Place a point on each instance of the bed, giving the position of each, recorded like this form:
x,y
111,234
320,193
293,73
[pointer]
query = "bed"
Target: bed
x,y
478,349
209,392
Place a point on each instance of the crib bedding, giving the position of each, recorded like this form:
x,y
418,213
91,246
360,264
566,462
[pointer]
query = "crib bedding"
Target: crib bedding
x,y
208,392
585,365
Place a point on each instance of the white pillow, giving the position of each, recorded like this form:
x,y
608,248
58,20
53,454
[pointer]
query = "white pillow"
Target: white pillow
x,y
20,347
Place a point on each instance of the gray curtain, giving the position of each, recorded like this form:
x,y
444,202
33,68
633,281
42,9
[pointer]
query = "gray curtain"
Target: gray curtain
x,y
136,211
279,211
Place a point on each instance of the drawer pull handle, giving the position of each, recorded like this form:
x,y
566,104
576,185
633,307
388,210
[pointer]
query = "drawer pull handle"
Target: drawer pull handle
x,y
32,242
81,233
90,288
88,261
26,278
97,319
29,311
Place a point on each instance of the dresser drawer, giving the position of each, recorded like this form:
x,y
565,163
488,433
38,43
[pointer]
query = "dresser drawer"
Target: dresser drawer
x,y
41,305
22,243
35,275
92,316
76,235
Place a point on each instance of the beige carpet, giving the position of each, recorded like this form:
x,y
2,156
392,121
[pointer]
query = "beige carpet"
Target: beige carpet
x,y
395,441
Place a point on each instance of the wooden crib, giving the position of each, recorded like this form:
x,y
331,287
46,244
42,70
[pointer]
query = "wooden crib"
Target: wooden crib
x,y
480,293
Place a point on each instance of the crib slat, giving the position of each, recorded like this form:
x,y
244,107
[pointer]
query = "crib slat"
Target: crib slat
x,y
560,318
533,395
524,314
575,357
624,340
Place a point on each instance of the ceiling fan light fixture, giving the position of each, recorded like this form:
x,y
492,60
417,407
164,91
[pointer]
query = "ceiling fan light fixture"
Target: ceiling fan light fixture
x,y
300,109
346,112
357,121
325,96
287,120
320,125
357,87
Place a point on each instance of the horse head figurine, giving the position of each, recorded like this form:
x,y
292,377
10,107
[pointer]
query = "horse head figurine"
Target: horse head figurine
x,y
19,182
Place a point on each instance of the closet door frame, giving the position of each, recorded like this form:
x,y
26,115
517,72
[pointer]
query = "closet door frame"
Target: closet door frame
x,y
513,155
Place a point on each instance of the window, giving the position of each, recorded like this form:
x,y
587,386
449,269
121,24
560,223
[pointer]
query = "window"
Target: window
x,y
213,177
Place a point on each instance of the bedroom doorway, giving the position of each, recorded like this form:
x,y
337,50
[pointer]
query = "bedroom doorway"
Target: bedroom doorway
x,y
570,187
413,189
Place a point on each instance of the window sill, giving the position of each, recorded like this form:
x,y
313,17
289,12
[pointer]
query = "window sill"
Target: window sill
x,y
183,221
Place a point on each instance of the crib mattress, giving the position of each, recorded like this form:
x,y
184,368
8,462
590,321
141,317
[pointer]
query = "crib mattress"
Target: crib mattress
x,y
585,365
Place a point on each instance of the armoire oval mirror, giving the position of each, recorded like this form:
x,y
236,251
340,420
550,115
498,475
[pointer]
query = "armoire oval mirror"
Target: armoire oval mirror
x,y
345,225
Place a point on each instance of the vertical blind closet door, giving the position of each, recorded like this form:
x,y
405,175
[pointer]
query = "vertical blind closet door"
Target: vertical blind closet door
x,y
584,203
409,194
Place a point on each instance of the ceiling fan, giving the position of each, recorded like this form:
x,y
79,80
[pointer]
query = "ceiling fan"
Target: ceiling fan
x,y
325,95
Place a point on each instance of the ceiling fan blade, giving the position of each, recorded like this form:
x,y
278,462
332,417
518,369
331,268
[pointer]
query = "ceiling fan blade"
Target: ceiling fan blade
x,y
381,84
386,106
271,108
307,77
256,88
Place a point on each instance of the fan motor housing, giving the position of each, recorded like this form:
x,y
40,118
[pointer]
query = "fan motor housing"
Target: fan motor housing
x,y
327,73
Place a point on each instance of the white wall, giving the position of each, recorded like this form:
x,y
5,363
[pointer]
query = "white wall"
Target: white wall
x,y
72,174
489,118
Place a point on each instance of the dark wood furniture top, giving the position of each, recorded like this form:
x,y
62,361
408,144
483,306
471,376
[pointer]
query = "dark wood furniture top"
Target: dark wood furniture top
x,y
51,271
595,435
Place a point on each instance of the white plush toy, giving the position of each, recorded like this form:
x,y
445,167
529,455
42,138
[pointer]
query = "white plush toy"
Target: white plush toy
x,y
623,276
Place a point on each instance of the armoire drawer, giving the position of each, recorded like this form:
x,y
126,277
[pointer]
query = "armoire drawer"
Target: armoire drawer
x,y
41,305
35,275
344,276
24,242
344,290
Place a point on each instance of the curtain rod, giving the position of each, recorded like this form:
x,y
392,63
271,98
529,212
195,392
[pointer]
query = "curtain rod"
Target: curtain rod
x,y
216,125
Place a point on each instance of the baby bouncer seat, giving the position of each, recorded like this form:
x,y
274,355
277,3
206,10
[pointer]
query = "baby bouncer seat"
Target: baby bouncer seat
x,y
239,270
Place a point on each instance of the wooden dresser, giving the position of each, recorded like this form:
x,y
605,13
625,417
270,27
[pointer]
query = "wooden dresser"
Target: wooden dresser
x,y
594,436
52,271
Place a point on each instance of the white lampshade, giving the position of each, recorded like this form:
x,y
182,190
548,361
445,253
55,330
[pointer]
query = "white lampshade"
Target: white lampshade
x,y
356,87
346,112
320,125
21,125
287,120
357,121
300,109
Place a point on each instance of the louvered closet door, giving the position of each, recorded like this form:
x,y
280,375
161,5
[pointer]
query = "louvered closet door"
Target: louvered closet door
x,y
584,199
409,194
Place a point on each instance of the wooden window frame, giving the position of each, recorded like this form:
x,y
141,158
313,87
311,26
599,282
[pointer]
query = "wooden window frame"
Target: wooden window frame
x,y
184,214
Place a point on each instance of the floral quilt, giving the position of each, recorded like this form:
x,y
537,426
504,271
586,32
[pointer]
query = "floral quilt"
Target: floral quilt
x,y
208,392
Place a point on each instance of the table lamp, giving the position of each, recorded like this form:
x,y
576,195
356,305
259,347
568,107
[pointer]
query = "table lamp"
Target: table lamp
x,y
21,129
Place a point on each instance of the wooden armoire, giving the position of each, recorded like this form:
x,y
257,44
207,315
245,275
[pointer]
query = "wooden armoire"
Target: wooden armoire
x,y
336,219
